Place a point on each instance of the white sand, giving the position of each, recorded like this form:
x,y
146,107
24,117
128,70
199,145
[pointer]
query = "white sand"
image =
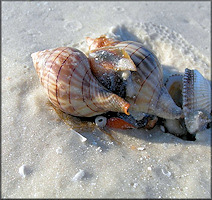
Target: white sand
x,y
42,158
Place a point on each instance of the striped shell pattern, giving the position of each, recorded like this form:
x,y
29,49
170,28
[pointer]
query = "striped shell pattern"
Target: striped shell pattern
x,y
150,95
67,79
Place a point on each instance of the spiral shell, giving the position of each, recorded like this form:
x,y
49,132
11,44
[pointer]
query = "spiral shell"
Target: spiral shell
x,y
144,86
66,76
147,93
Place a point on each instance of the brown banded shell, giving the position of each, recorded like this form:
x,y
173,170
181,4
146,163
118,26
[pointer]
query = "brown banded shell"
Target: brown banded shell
x,y
147,93
66,76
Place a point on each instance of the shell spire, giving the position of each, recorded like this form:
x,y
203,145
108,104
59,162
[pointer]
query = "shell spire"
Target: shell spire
x,y
70,85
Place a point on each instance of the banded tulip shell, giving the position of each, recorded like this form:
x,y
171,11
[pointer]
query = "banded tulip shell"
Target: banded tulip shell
x,y
67,79
145,90
144,86
150,95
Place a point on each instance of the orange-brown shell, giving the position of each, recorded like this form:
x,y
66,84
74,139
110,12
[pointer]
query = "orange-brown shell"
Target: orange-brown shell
x,y
102,41
115,122
66,76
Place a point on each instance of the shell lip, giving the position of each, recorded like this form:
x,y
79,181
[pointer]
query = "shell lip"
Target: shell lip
x,y
126,109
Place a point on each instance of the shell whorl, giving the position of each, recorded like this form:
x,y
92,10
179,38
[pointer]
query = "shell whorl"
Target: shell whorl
x,y
150,94
66,76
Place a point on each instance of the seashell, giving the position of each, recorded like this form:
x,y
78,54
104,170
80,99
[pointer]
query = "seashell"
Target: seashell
x,y
152,120
108,65
119,123
176,126
196,100
146,91
123,121
144,86
111,58
102,41
67,79
101,121
192,92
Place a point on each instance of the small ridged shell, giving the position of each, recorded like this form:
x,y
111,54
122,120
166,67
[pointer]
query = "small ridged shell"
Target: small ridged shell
x,y
66,76
192,92
196,100
150,95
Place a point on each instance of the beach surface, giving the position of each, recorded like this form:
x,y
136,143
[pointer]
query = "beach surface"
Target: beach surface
x,y
43,157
